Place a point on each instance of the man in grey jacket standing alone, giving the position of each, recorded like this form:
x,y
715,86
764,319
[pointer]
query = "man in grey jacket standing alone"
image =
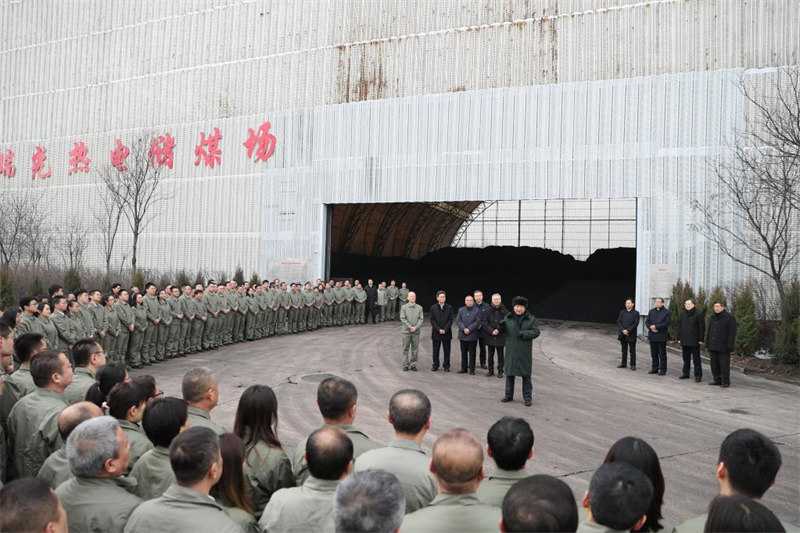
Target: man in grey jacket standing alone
x,y
411,317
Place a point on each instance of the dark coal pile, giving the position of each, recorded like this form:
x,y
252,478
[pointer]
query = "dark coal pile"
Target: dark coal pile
x,y
557,285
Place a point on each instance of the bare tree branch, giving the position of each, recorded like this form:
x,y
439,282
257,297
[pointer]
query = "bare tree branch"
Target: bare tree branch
x,y
72,244
136,190
752,217
18,216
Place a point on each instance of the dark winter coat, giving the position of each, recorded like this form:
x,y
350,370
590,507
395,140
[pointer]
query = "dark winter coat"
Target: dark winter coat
x,y
483,307
691,328
519,349
492,318
660,319
628,320
442,318
469,318
721,335
372,296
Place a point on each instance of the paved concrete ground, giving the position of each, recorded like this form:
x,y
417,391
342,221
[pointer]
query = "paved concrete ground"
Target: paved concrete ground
x,y
582,403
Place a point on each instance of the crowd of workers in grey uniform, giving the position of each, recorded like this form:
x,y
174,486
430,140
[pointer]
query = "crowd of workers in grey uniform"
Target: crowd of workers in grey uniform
x,y
141,328
96,450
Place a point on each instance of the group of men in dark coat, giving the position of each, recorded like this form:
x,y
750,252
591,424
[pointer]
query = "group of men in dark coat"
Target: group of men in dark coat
x,y
487,329
719,338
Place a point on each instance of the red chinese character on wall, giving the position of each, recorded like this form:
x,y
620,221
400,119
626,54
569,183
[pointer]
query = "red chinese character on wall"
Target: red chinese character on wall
x,y
263,142
207,150
119,155
160,152
77,159
37,164
7,167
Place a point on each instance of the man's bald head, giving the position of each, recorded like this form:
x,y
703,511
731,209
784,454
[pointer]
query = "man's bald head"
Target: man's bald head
x,y
74,415
329,452
457,462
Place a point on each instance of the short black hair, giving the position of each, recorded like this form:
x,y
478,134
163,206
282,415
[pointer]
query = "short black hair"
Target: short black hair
x,y
147,383
335,396
329,451
56,300
752,461
639,454
83,350
163,420
44,365
27,504
54,288
115,285
511,441
123,396
5,331
540,503
79,292
25,344
619,495
26,300
410,410
107,377
738,512
192,453
148,285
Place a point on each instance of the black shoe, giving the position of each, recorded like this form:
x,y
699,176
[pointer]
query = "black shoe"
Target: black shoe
x,y
459,372
447,369
471,372
489,374
528,403
683,376
405,369
500,375
505,399
662,372
483,366
622,365
633,367
413,369
698,380
653,371
725,385
434,368
717,383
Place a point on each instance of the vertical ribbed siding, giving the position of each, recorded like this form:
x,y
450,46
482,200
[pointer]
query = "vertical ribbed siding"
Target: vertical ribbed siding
x,y
387,101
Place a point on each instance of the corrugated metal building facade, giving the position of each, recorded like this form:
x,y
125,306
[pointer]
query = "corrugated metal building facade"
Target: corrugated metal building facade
x,y
388,101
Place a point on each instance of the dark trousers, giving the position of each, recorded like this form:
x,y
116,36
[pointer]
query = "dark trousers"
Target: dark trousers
x,y
445,344
500,358
482,351
369,310
626,346
691,354
468,355
658,353
721,367
527,388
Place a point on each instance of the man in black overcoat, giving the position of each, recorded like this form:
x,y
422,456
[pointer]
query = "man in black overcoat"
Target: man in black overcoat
x,y
372,301
657,322
691,333
720,341
442,316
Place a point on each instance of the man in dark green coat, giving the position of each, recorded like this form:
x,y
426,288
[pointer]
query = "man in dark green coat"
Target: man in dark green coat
x,y
520,328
